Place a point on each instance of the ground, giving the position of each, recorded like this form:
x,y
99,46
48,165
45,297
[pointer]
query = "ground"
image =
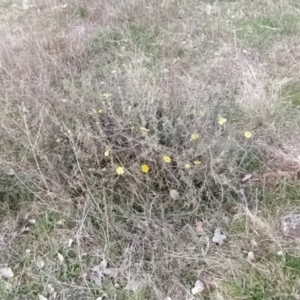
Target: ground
x,y
132,130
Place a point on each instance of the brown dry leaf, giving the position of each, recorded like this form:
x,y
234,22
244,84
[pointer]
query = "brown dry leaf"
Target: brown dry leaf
x,y
24,229
208,282
234,209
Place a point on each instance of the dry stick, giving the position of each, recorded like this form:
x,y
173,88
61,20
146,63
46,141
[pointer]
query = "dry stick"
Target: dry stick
x,y
33,150
91,195
80,170
244,206
78,234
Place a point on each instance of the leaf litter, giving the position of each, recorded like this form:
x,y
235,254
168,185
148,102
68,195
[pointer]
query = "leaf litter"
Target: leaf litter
x,y
99,271
133,285
198,288
246,178
40,262
60,257
6,272
218,237
199,227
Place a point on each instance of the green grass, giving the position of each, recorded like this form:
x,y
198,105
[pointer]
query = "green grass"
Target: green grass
x,y
262,31
267,282
292,265
81,12
255,289
292,94
249,161
14,194
111,48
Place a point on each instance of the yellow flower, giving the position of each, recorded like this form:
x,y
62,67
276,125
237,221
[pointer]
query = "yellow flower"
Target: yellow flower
x,y
106,153
120,170
194,136
248,134
144,129
187,166
222,121
106,95
197,162
167,159
144,168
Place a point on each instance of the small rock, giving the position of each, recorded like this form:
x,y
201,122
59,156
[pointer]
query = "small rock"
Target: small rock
x,y
290,225
174,194
280,253
250,256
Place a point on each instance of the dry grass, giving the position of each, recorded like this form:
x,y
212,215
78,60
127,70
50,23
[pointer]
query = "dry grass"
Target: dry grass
x,y
82,78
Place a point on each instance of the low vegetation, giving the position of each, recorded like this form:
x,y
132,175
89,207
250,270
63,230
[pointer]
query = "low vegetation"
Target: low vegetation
x,y
148,150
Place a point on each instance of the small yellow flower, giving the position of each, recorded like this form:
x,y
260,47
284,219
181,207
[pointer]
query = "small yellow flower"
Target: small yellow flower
x,y
167,159
100,111
187,166
120,170
106,153
248,134
194,136
144,168
222,121
144,129
197,162
106,95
